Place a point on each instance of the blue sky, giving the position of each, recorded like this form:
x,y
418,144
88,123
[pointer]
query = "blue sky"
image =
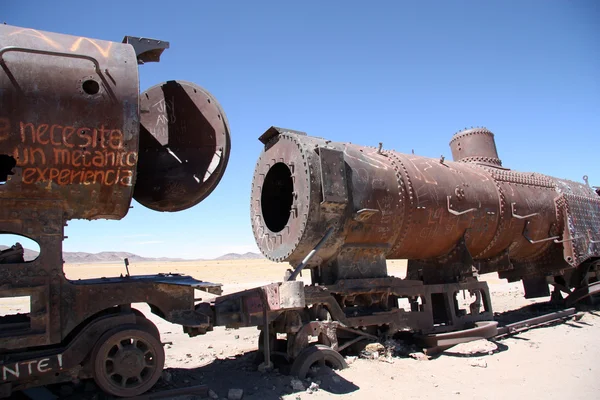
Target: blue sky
x,y
408,74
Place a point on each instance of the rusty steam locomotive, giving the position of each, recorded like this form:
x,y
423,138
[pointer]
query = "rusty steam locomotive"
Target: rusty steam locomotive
x,y
448,218
78,141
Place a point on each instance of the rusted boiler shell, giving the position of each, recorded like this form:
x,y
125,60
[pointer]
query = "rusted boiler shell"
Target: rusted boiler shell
x,y
416,208
71,132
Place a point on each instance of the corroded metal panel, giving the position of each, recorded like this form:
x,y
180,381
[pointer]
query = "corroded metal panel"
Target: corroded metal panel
x,y
333,176
69,118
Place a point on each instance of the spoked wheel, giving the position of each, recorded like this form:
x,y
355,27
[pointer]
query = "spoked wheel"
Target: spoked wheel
x,y
128,362
316,356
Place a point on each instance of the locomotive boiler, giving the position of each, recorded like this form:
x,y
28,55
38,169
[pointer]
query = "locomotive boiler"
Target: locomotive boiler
x,y
450,219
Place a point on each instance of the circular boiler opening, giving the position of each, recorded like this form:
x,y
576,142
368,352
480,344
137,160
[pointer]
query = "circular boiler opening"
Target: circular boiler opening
x,y
277,197
91,87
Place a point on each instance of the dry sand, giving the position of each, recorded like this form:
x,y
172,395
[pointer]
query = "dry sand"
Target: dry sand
x,y
545,363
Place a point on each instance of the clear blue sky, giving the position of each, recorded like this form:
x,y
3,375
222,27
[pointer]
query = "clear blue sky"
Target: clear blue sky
x,y
408,74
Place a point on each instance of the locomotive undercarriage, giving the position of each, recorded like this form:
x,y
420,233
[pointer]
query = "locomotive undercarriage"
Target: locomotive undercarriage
x,y
352,312
301,325
343,317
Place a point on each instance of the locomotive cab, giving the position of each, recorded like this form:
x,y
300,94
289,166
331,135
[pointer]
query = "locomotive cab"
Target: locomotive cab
x,y
79,141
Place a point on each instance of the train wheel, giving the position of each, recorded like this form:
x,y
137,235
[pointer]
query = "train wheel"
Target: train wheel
x,y
278,349
128,362
316,356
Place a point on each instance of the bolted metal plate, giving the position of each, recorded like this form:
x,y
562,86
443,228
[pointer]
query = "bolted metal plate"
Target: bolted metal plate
x,y
333,176
184,146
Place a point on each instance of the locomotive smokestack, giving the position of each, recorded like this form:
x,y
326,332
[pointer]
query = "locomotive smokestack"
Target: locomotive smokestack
x,y
475,145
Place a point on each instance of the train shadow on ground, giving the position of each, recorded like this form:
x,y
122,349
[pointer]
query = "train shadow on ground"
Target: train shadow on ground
x,y
221,375
241,372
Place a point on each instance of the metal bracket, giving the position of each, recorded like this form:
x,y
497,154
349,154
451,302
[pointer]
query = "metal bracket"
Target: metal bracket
x,y
515,215
146,50
457,213
567,240
541,240
275,131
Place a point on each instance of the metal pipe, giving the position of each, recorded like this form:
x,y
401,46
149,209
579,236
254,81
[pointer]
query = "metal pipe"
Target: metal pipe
x,y
310,255
266,334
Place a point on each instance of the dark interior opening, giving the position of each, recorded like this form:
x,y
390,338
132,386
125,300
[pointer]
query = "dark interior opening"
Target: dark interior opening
x,y
277,197
91,87
439,307
7,163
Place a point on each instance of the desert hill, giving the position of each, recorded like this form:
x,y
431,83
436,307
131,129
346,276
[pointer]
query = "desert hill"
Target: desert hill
x,y
118,256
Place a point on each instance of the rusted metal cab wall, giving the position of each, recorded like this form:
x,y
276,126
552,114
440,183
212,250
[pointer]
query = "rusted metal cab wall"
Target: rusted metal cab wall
x,y
69,120
442,214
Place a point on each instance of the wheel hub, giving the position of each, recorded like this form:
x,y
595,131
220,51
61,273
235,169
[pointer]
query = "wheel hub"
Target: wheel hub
x,y
129,361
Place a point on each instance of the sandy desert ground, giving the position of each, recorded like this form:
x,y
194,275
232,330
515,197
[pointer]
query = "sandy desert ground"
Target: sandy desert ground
x,y
552,362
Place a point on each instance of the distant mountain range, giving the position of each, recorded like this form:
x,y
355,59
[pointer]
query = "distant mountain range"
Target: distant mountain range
x,y
118,256
236,256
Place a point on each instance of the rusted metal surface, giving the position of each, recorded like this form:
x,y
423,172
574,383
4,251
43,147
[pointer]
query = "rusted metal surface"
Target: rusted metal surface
x,y
184,146
69,117
341,210
367,302
70,145
475,145
529,323
246,308
442,341
446,217
437,343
